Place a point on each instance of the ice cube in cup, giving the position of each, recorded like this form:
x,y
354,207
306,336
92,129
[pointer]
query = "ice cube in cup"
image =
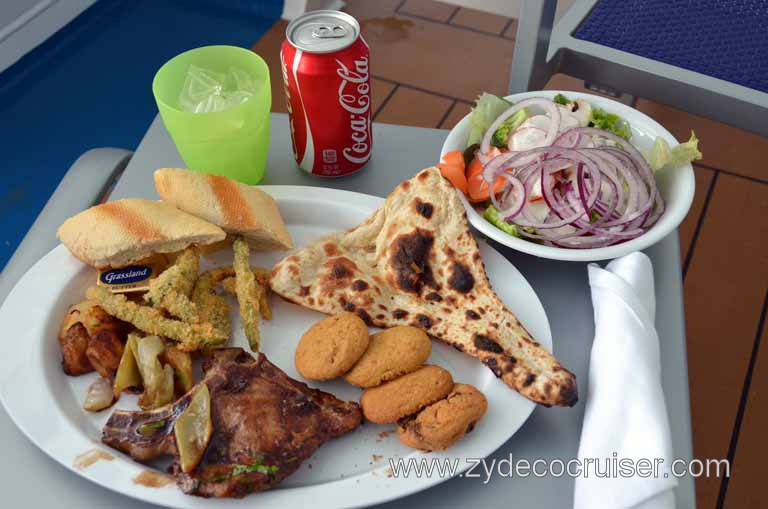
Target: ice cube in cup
x,y
206,91
199,86
242,80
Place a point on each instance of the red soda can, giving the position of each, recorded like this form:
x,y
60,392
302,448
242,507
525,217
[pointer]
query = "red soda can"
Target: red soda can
x,y
326,73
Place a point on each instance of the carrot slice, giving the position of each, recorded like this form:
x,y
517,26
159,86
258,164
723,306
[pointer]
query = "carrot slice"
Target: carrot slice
x,y
477,187
455,157
455,174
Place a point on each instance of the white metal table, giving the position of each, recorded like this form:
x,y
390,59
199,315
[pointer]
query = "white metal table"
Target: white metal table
x,y
30,479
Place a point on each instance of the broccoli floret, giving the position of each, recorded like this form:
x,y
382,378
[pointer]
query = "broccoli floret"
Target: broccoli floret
x,y
491,215
610,122
561,99
487,108
500,137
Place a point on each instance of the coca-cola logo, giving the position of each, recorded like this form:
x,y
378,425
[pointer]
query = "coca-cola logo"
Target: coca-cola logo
x,y
355,98
288,101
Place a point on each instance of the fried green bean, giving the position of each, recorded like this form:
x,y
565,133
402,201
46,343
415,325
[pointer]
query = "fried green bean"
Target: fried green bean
x,y
191,336
213,308
172,289
247,292
264,308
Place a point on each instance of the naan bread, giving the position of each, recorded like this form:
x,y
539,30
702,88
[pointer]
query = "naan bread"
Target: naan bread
x,y
415,262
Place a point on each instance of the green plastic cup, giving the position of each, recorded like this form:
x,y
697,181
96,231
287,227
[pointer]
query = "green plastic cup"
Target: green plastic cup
x,y
232,142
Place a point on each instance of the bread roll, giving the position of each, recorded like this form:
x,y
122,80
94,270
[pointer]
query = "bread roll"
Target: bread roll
x,y
118,233
237,208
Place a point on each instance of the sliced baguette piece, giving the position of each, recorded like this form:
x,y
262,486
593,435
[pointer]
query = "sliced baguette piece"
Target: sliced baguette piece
x,y
121,232
238,208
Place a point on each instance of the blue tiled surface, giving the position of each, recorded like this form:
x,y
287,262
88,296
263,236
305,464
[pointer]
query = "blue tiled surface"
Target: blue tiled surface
x,y
726,39
90,86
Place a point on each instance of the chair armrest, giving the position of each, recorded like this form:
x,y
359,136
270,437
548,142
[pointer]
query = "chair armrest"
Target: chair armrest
x,y
530,69
86,182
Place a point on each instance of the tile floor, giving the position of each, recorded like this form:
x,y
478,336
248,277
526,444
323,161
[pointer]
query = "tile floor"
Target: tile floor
x,y
430,60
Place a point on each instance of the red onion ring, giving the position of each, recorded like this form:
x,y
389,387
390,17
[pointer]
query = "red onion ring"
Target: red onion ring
x,y
603,163
515,189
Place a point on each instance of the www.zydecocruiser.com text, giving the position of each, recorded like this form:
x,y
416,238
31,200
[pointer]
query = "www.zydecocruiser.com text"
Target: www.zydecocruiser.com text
x,y
613,467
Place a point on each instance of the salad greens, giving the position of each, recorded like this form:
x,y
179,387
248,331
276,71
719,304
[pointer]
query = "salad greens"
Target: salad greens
x,y
601,119
610,122
500,137
487,108
491,215
662,155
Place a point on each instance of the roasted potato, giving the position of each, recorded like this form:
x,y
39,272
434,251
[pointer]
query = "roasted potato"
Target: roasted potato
x,y
104,351
74,344
91,339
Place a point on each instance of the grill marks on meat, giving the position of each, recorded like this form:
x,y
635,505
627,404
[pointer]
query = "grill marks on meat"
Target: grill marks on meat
x,y
260,416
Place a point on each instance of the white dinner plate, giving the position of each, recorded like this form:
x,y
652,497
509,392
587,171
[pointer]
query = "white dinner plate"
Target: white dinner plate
x,y
353,470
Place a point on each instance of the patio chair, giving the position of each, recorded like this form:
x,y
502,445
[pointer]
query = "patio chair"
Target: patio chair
x,y
708,57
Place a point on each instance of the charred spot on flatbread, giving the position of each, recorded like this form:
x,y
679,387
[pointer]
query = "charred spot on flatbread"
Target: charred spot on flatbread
x,y
486,344
461,278
346,305
410,258
423,321
399,314
472,315
342,268
433,297
340,272
493,365
359,285
331,249
425,209
363,314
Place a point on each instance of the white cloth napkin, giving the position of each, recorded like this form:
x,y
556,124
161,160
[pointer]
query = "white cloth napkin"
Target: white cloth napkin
x,y
625,415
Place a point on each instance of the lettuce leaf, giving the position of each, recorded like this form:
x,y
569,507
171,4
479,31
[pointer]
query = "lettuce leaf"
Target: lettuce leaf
x,y
487,108
561,99
610,122
662,155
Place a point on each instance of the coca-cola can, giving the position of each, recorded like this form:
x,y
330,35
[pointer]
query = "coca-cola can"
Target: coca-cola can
x,y
326,73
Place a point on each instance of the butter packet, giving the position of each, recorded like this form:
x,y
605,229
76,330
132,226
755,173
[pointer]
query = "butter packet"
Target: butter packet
x,y
134,277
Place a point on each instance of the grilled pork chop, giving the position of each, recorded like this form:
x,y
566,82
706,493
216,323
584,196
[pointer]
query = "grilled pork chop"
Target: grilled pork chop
x,y
415,262
264,425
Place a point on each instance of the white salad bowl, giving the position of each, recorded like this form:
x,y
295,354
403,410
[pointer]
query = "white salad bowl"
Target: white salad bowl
x,y
677,185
